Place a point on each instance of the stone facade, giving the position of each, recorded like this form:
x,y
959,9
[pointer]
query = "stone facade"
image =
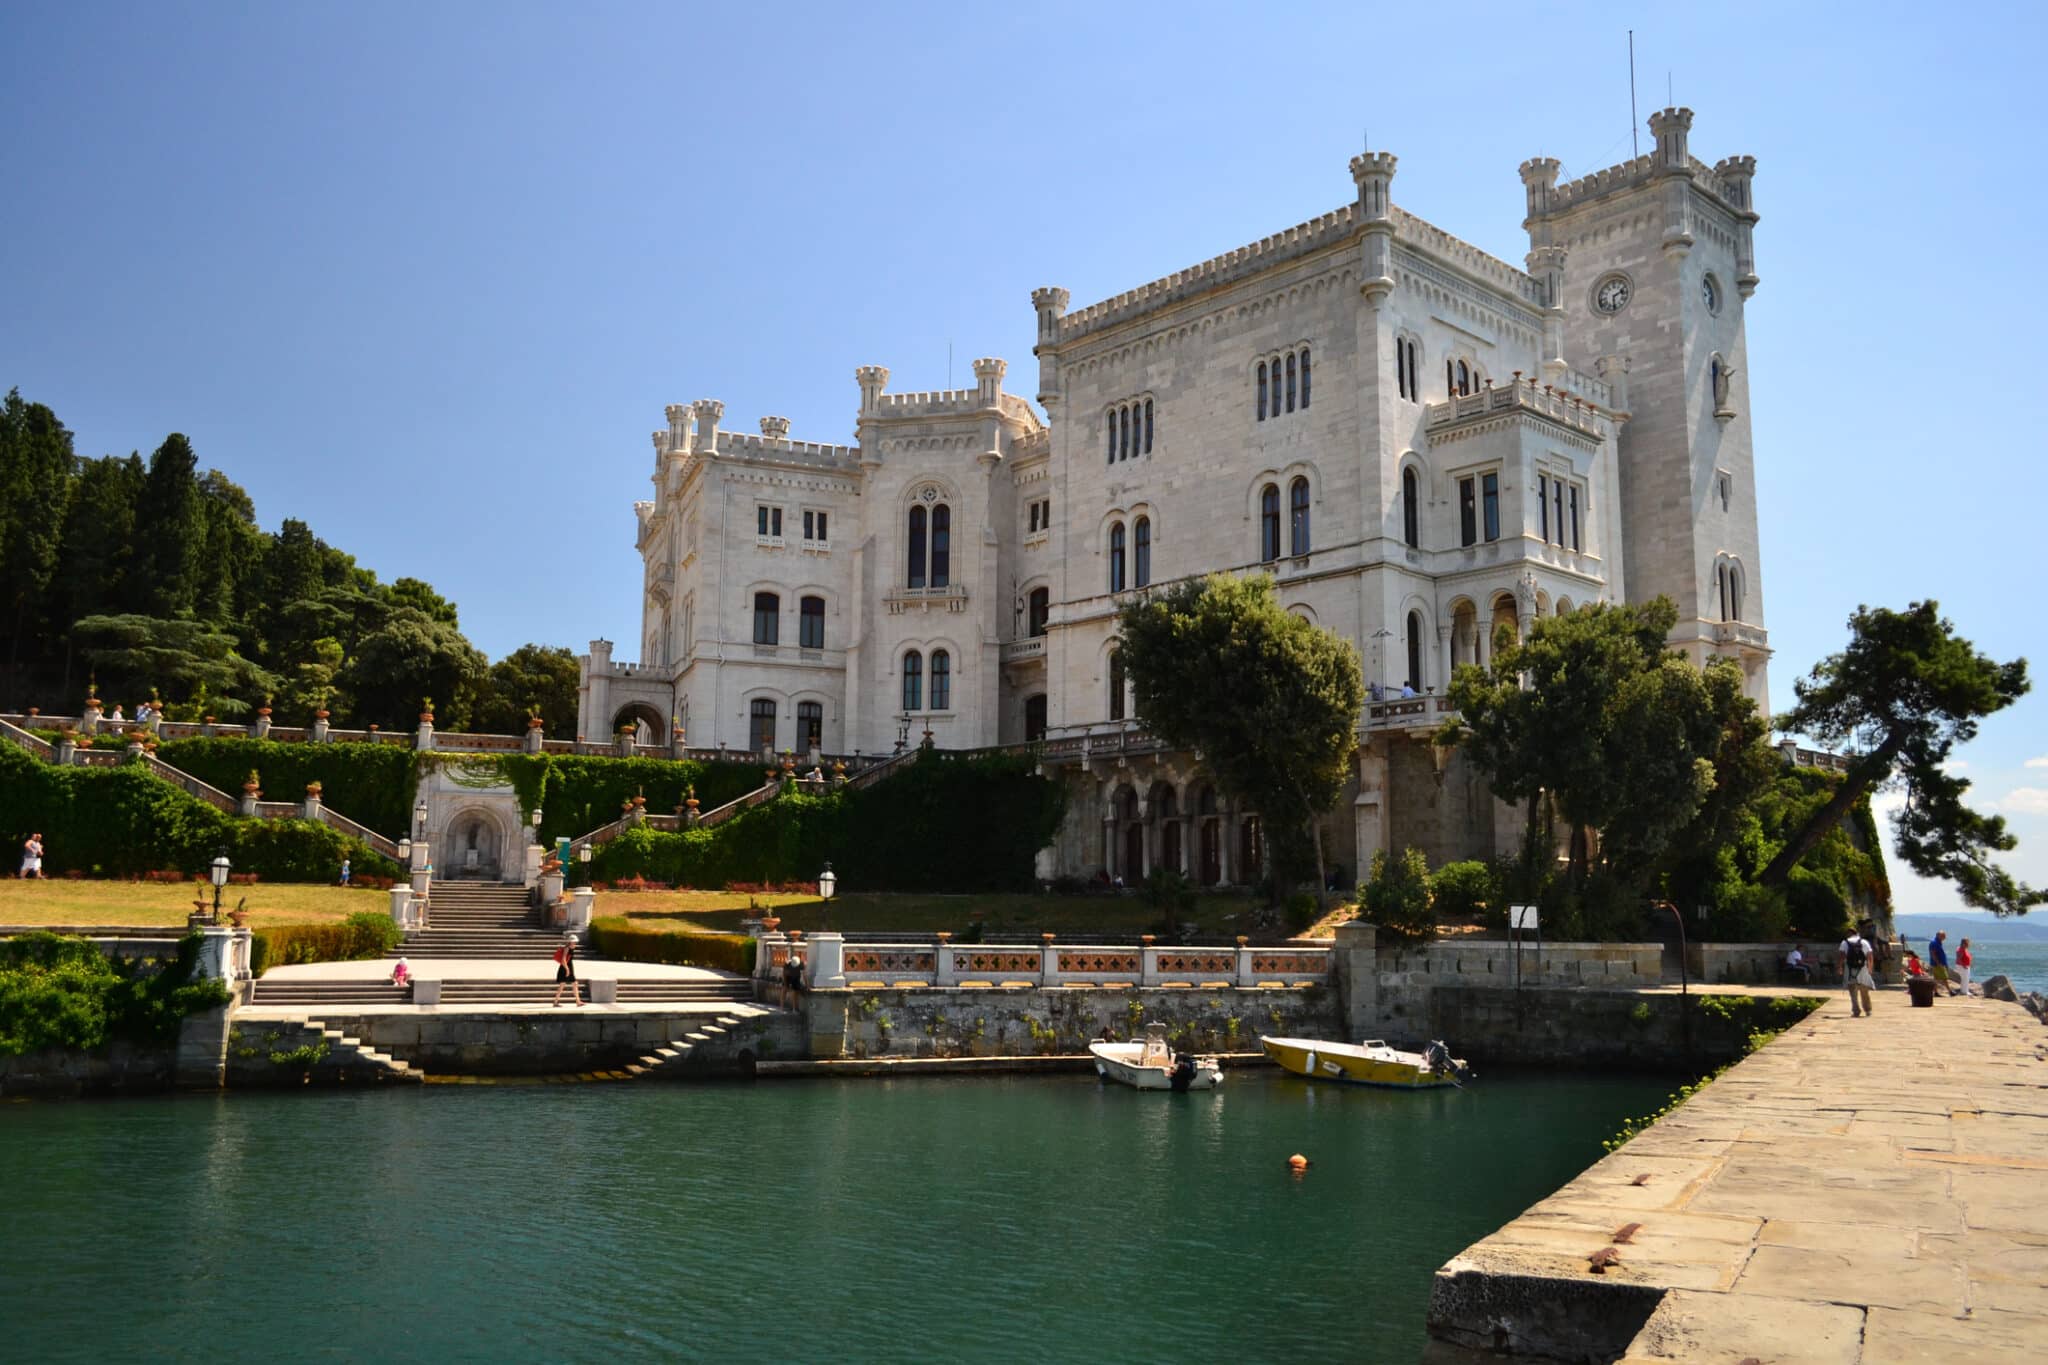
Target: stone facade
x,y
1422,443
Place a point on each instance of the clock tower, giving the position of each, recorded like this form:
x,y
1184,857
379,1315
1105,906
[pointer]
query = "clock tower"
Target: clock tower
x,y
1649,266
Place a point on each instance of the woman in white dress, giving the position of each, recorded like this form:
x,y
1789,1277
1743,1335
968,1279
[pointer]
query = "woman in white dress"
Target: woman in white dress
x,y
32,857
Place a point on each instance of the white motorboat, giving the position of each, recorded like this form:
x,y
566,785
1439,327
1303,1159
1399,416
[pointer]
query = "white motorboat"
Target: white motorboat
x,y
1149,1064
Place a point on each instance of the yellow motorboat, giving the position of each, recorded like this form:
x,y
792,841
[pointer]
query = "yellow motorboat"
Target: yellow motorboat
x,y
1371,1062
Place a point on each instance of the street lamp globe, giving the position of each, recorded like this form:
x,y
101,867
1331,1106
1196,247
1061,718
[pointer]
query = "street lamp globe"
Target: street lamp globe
x,y
828,882
419,816
405,851
220,869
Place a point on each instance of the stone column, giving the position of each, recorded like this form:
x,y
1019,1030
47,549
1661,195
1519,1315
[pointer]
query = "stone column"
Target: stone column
x,y
401,906
1245,975
1226,838
1048,962
1148,961
945,971
1148,842
827,960
1109,845
1358,979
216,952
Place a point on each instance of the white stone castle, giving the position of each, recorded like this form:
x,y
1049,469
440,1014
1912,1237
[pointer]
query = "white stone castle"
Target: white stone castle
x,y
1418,441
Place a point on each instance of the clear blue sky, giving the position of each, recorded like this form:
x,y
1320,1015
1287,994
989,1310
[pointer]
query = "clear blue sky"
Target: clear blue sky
x,y
424,275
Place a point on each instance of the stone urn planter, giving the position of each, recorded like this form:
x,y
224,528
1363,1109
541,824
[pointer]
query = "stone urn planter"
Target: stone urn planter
x,y
558,913
770,923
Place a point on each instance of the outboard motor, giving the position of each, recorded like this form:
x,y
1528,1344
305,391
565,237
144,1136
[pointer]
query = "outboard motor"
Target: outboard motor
x,y
1440,1060
1183,1073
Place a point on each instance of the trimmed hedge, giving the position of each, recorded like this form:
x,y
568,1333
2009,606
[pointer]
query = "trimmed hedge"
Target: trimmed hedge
x,y
362,935
58,992
943,824
613,937
371,784
118,822
578,793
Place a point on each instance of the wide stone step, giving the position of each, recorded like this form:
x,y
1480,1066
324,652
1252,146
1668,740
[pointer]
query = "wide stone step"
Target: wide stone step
x,y
488,992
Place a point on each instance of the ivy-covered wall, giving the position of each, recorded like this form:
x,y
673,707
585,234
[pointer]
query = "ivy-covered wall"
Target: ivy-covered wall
x,y
578,793
943,824
116,822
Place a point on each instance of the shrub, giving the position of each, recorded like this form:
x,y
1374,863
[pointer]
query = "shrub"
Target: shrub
x,y
362,935
1395,898
58,992
612,936
371,784
577,793
1463,891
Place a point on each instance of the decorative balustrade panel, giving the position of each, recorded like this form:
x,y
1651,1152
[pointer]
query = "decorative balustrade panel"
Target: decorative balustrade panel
x,y
1122,964
21,738
891,963
335,820
212,796
1293,965
472,743
996,962
1178,964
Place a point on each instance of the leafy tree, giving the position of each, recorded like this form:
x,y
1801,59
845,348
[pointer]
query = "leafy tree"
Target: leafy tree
x,y
1268,700
410,657
95,548
411,592
546,677
233,550
1904,693
1593,715
137,653
35,471
170,532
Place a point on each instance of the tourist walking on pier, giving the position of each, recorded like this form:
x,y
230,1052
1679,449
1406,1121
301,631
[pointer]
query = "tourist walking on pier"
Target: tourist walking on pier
x,y
1856,973
32,857
565,971
1963,967
1937,958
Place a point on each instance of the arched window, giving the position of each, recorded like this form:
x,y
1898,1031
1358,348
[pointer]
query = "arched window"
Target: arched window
x,y
1411,513
942,680
810,624
1141,555
1290,383
1269,523
763,729
810,725
767,618
1450,378
1464,378
942,545
1123,440
915,572
1304,376
1116,557
1039,611
1116,686
1148,426
1034,718
1111,424
1262,390
913,681
1297,517
1415,651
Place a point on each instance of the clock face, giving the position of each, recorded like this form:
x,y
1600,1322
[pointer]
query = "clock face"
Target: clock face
x,y
1612,295
1710,293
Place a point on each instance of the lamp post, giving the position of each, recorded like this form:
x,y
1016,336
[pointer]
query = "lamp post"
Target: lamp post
x,y
419,818
828,883
583,856
219,871
1379,656
536,824
405,853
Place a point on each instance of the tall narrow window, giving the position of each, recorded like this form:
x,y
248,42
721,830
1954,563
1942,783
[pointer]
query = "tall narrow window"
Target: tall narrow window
x,y
1411,514
1262,390
1721,587
1297,517
767,618
1269,523
942,545
1034,718
1123,439
763,730
760,521
1039,611
1141,552
1304,376
1464,379
1489,496
810,623
1468,513
1557,507
1290,383
1543,505
942,680
1112,436
810,725
1116,557
913,681
1116,687
1450,378
914,574
1575,517
1401,367
1148,426
1415,651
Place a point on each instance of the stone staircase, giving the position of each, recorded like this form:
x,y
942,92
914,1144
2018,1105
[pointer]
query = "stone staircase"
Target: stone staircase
x,y
667,1059
479,919
493,994
346,1059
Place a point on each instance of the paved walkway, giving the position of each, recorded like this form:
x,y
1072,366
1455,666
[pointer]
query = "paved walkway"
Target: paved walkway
x,y
540,968
1859,1192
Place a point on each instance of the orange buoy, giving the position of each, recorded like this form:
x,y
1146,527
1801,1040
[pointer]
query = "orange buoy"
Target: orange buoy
x,y
1297,1162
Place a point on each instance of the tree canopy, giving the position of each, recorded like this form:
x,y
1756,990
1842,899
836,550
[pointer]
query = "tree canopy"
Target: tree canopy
x,y
1901,696
154,577
1269,701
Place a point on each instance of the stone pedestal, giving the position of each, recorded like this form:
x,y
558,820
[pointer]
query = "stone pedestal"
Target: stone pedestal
x,y
582,904
217,952
604,990
827,960
89,722
1358,978
535,739
550,888
318,734
311,810
426,991
260,727
67,751
401,907
424,740
420,856
530,876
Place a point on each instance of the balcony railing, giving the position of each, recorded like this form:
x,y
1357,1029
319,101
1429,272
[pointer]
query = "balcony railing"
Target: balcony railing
x,y
953,597
1017,651
1408,713
1524,395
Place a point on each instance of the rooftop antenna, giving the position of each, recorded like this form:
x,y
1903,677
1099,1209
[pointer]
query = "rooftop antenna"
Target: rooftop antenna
x,y
1669,102
1634,146
949,362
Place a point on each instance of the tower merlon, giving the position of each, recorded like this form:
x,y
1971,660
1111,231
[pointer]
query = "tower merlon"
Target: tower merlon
x,y
873,379
1670,127
1373,173
775,428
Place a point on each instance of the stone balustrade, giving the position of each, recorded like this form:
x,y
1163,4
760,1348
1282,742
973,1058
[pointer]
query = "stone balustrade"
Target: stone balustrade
x,y
999,965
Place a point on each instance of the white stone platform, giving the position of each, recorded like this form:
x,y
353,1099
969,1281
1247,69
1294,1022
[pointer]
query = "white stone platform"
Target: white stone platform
x,y
491,969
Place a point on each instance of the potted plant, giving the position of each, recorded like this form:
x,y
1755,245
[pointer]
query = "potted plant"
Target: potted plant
x,y
533,720
690,797
264,710
313,790
426,710
251,785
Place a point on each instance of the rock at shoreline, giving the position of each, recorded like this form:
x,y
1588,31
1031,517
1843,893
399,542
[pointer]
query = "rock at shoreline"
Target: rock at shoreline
x,y
2000,988
2036,1004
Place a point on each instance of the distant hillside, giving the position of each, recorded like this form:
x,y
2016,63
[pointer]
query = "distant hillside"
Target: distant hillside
x,y
1980,930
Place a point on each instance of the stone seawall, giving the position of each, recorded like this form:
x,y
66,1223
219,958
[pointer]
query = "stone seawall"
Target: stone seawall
x,y
1658,1030
122,1069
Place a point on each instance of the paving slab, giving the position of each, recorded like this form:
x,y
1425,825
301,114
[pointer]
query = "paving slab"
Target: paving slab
x,y
1862,1191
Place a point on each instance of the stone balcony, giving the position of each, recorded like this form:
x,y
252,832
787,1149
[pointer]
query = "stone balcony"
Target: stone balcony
x,y
1742,633
952,597
1520,397
1024,651
1407,713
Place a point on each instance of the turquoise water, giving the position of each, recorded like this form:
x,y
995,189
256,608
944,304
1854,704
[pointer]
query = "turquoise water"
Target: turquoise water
x,y
1004,1218
2025,963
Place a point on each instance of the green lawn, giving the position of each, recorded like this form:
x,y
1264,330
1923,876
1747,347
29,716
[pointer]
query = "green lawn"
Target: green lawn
x,y
62,901
922,914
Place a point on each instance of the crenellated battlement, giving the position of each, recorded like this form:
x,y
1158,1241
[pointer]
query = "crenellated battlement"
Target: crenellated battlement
x,y
1414,232
740,445
1726,181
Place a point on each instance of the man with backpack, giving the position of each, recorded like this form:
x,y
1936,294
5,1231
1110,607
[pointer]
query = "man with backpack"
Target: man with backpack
x,y
1856,955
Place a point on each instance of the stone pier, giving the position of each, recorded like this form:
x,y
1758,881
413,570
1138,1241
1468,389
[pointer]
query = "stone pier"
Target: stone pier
x,y
1858,1192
